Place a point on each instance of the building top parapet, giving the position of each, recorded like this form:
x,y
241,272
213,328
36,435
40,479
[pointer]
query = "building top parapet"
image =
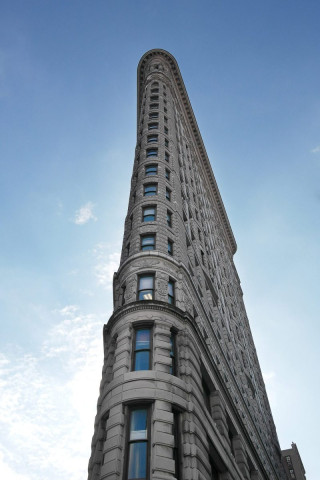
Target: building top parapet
x,y
177,77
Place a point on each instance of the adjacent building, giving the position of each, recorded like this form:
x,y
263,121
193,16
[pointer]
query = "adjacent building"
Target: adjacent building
x,y
182,395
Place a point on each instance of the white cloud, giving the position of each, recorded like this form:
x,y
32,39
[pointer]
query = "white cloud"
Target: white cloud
x,y
107,264
48,400
84,214
316,149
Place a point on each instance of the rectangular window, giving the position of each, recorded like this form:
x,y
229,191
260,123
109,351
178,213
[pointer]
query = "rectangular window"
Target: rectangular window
x,y
123,293
169,218
152,138
166,130
148,242
155,90
165,119
153,115
152,152
170,247
151,170
177,442
153,126
154,106
166,143
138,444
150,189
142,349
166,156
154,98
168,194
167,174
206,394
148,214
146,287
171,292
165,110
173,353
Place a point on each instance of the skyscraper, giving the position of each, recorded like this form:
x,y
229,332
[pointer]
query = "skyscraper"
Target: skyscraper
x,y
182,395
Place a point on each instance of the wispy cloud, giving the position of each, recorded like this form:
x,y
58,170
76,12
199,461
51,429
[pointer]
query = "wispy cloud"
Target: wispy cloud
x,y
107,264
84,214
316,149
46,399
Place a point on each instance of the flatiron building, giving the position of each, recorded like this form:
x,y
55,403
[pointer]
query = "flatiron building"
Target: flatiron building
x,y
182,395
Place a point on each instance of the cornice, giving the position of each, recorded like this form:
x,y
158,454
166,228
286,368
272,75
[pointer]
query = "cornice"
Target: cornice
x,y
185,102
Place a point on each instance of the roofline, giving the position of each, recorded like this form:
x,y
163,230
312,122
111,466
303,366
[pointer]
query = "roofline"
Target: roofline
x,y
194,128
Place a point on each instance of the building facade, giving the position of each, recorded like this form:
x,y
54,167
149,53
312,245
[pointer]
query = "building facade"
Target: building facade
x,y
182,395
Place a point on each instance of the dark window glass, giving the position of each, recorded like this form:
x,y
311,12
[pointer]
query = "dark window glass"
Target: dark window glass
x,y
149,214
152,152
165,120
138,444
153,126
150,189
166,142
148,242
168,194
142,349
154,106
206,394
169,218
167,174
166,156
173,353
146,287
123,293
153,115
166,130
151,170
155,90
165,109
152,138
170,247
154,98
171,292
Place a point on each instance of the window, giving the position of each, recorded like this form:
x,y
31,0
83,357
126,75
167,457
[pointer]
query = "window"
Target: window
x,y
146,287
148,214
128,249
166,156
138,444
206,394
167,174
169,218
148,242
123,293
166,130
171,292
166,142
155,90
165,109
168,194
154,98
150,189
173,353
152,152
152,138
292,475
153,115
153,126
151,170
170,247
142,349
154,106
177,441
155,84
165,119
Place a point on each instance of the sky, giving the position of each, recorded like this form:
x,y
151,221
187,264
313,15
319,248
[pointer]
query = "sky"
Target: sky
x,y
67,140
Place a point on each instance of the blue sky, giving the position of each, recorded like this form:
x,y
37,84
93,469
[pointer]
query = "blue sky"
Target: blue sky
x,y
68,120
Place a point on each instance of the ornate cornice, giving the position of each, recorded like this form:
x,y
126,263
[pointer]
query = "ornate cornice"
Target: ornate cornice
x,y
177,77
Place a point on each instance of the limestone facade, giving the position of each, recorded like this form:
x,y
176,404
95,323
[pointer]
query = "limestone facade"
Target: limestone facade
x,y
208,415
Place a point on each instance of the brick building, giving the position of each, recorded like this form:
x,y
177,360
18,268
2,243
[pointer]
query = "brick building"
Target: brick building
x,y
182,395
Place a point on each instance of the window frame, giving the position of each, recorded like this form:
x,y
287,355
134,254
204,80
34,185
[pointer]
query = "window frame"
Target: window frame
x,y
153,115
169,218
143,248
170,242
174,356
152,152
150,192
168,194
131,408
167,174
150,165
153,126
139,290
154,106
153,138
143,215
171,298
136,327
